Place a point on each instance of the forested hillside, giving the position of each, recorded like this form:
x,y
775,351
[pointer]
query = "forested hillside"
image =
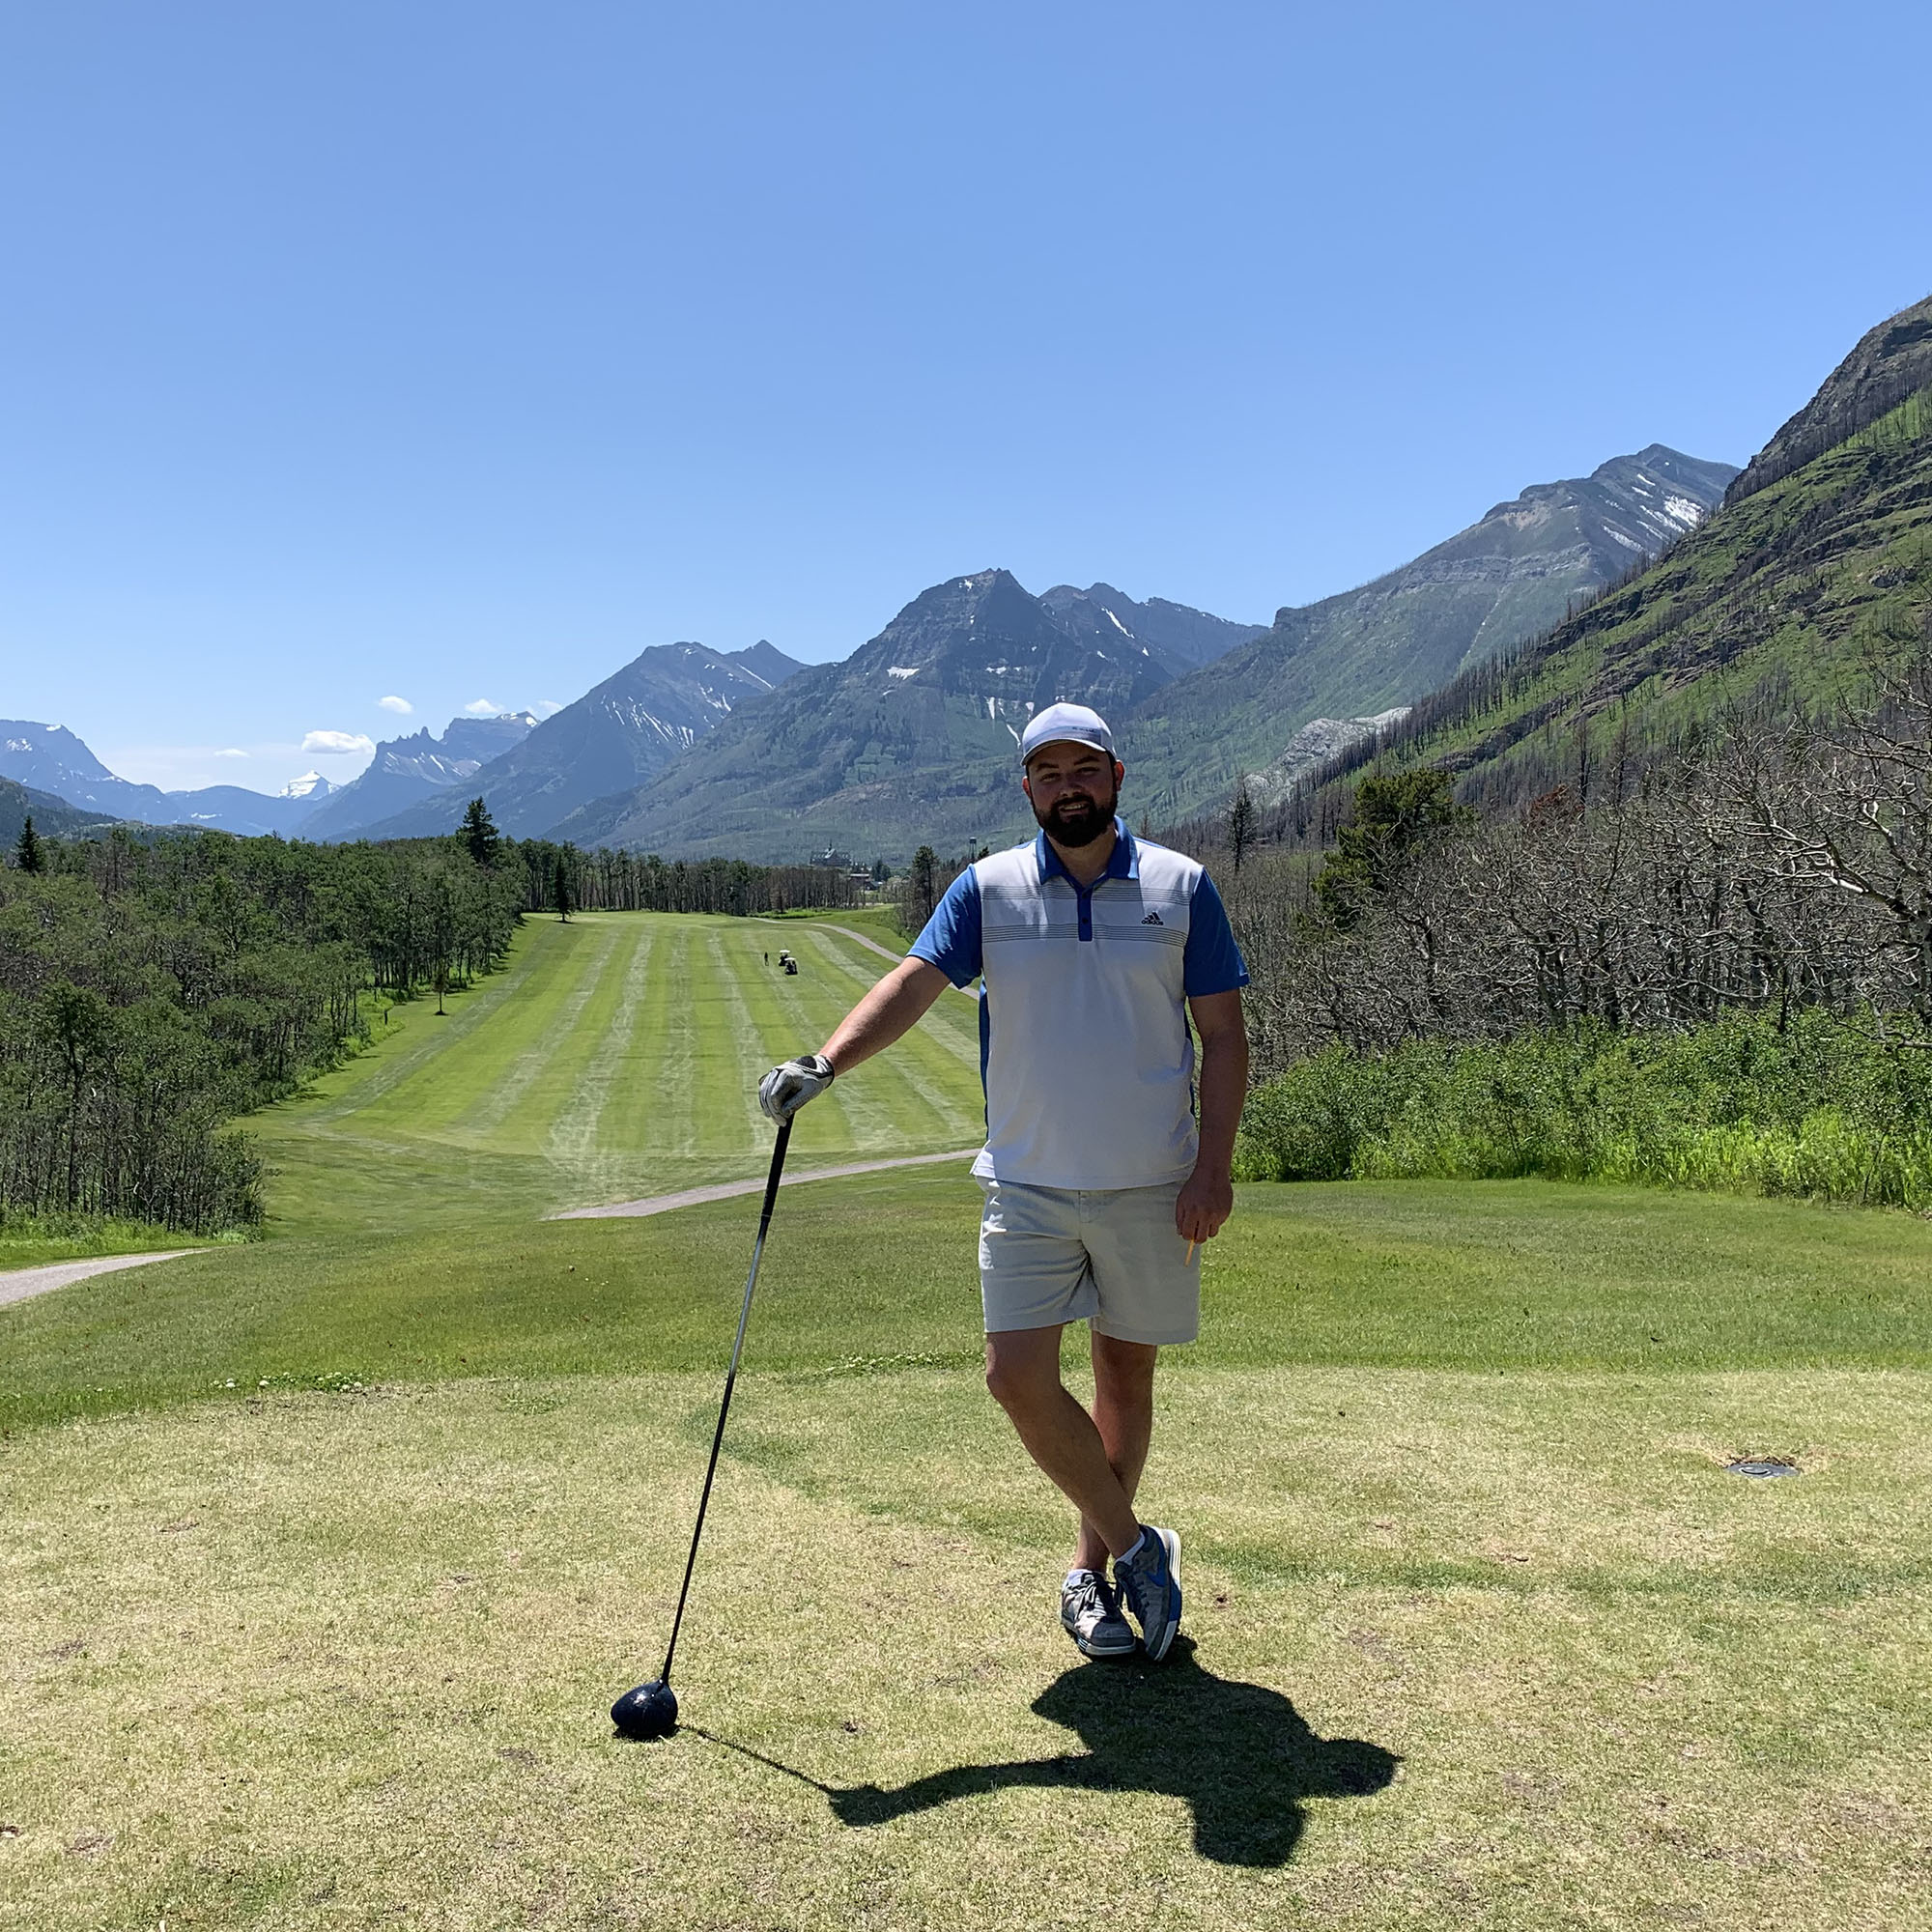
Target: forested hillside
x,y
1477,597
1653,899
19,802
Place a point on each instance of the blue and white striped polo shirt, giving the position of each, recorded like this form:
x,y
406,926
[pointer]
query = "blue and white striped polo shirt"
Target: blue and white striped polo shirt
x,y
1084,1047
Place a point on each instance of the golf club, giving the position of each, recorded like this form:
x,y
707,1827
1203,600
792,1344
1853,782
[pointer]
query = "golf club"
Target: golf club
x,y
650,1710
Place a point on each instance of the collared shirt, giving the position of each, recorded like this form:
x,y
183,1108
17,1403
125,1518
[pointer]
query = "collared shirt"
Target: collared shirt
x,y
1084,1047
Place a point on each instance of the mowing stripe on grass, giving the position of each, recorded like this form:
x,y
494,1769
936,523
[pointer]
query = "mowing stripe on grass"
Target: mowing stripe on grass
x,y
638,1115
925,1070
731,1012
948,1028
448,1096
368,1077
618,1057
576,1146
505,1093
579,1028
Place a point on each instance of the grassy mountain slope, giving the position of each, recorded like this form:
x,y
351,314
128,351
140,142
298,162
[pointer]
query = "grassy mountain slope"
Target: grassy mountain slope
x,y
1504,578
1772,606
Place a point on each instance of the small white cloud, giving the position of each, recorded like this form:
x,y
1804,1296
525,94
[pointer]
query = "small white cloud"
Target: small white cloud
x,y
231,751
481,708
401,706
336,744
545,707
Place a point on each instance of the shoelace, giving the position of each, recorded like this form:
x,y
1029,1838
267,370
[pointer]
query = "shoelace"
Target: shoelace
x,y
1132,1583
1090,1597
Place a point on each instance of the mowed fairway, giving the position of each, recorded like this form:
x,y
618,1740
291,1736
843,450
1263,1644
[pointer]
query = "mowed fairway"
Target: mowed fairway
x,y
618,1057
326,1556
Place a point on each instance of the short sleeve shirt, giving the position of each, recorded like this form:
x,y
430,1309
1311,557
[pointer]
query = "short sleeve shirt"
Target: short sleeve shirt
x,y
1084,1045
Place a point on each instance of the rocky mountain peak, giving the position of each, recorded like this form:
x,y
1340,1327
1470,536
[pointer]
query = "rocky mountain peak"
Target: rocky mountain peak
x,y
1888,363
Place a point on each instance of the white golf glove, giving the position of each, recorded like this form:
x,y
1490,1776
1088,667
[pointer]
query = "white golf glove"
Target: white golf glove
x,y
786,1089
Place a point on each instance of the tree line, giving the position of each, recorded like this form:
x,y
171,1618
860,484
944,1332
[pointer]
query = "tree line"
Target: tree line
x,y
155,985
562,877
1774,883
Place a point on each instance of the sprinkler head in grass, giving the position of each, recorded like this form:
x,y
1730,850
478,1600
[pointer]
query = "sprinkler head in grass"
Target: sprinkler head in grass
x,y
650,1711
1762,1466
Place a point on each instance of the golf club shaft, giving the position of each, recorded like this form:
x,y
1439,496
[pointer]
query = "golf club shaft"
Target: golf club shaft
x,y
730,1382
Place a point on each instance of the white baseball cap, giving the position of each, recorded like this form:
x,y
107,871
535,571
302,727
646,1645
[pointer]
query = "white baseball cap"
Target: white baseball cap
x,y
1068,725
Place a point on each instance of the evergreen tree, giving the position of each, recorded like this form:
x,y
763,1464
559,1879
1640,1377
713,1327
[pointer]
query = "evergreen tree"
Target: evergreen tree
x,y
561,888
27,852
1392,818
1240,823
924,881
480,834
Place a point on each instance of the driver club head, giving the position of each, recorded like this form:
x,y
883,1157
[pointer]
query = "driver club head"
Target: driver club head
x,y
650,1711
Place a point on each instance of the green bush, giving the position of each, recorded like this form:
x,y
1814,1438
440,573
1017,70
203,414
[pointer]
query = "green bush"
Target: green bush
x,y
1820,1107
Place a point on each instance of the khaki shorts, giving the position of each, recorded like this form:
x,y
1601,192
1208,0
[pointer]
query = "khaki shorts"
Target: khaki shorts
x,y
1109,1256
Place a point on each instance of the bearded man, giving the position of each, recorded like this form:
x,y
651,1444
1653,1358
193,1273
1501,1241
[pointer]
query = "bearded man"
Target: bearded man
x,y
1094,947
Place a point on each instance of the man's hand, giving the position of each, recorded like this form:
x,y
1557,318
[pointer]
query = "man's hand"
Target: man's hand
x,y
1202,1207
786,1089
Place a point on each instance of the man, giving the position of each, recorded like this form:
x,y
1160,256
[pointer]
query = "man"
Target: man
x,y
1094,947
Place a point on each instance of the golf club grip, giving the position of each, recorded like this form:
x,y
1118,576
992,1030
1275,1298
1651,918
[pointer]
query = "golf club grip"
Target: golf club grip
x,y
730,1383
772,1185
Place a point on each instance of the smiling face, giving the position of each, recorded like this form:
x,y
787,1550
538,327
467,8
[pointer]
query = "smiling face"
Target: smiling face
x,y
1073,790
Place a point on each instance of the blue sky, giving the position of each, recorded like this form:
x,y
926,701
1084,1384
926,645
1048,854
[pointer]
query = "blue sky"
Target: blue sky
x,y
457,353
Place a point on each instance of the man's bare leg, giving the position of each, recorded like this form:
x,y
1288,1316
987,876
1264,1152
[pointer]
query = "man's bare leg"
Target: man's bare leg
x,y
1023,1373
1123,1414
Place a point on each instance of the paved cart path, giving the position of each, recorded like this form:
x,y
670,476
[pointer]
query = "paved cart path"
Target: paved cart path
x,y
691,1197
18,1284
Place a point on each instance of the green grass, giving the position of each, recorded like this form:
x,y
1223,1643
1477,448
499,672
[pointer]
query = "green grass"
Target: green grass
x,y
617,1056
1510,1275
32,1240
1486,1631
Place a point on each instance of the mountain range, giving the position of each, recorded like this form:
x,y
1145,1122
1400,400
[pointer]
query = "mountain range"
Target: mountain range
x,y
688,751
50,759
656,708
910,740
613,739
405,770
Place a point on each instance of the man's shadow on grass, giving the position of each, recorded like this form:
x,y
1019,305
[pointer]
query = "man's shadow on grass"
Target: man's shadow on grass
x,y
1242,1757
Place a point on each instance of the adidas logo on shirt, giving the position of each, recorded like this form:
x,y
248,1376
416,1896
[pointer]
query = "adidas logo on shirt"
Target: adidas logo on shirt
x,y
1153,918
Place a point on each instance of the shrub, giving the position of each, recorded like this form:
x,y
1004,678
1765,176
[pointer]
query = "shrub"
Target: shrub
x,y
1823,1107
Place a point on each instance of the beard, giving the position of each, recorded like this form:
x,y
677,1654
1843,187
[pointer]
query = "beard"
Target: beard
x,y
1078,818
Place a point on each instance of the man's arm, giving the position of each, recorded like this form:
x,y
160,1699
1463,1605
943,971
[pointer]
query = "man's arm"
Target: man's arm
x,y
1208,1195
948,949
893,1008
